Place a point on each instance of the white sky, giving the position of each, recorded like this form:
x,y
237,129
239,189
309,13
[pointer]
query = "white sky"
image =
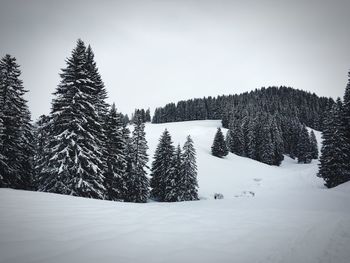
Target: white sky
x,y
153,52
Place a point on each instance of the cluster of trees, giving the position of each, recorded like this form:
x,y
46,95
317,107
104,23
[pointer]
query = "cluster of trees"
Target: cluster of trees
x,y
174,172
266,138
284,101
83,147
334,165
145,115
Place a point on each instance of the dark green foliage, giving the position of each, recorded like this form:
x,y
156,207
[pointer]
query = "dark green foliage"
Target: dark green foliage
x,y
115,156
189,172
16,135
346,117
137,183
75,165
219,148
235,138
141,113
284,101
334,160
304,146
162,166
174,184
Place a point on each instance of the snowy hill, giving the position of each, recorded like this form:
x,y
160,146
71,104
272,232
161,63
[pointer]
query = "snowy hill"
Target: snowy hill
x,y
269,214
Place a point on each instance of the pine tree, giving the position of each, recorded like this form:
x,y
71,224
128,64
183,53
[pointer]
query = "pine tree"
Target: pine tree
x,y
42,129
75,165
334,160
313,145
219,148
162,166
304,147
115,156
175,185
16,148
189,171
346,116
265,148
137,183
148,115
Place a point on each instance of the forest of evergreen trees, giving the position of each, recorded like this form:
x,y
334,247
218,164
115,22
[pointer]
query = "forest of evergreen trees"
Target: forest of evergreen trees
x,y
84,147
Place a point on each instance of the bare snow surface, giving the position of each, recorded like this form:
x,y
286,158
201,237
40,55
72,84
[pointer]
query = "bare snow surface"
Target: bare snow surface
x,y
268,214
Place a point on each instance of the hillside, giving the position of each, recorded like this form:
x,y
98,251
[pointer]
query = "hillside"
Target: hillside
x,y
269,214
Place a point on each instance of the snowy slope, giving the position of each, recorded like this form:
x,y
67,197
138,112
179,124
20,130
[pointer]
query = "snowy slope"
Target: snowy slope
x,y
290,218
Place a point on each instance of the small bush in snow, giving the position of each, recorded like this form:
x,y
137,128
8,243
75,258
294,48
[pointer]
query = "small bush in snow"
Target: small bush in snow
x,y
218,196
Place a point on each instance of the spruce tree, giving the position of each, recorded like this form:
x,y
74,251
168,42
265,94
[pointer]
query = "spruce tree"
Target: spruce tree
x,y
219,148
313,145
334,160
346,117
115,156
304,147
162,166
175,185
137,183
265,145
189,171
16,137
277,142
75,165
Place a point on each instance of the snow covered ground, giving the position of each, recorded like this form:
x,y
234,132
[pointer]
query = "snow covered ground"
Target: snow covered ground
x,y
269,214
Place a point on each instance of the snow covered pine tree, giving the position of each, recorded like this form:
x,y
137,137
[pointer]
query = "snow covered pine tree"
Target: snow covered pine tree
x,y
115,156
189,171
16,148
304,146
75,165
334,160
137,183
219,148
162,166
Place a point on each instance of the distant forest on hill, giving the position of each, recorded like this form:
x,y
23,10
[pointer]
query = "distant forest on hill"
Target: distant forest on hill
x,y
285,101
263,124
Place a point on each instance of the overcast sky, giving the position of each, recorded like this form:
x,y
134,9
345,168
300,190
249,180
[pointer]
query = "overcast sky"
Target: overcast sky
x,y
153,52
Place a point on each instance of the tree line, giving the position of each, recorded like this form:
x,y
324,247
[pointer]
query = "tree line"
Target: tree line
x,y
284,101
83,147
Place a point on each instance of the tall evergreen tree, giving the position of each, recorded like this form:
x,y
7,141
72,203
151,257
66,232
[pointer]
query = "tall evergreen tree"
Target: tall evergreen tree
x,y
313,145
115,156
219,148
75,165
304,147
137,183
189,172
162,166
334,160
16,148
346,116
277,141
175,185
